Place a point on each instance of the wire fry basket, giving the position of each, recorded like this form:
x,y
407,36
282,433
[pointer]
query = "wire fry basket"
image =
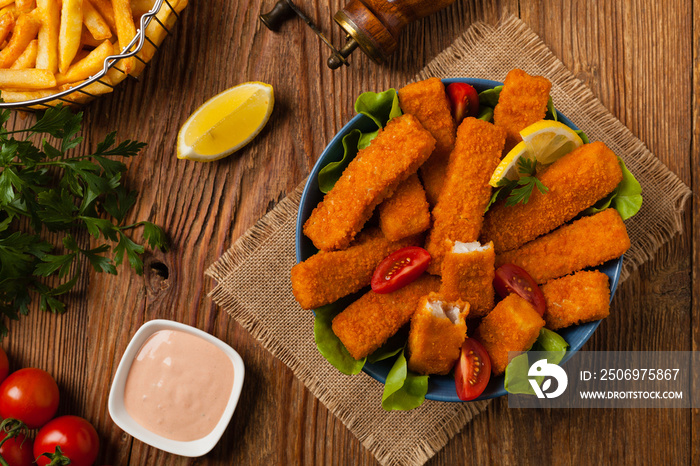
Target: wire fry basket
x,y
154,26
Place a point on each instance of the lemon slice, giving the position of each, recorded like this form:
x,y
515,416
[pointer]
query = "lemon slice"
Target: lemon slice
x,y
548,140
508,168
226,122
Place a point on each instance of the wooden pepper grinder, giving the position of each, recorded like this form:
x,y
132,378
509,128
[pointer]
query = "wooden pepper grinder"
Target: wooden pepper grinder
x,y
373,25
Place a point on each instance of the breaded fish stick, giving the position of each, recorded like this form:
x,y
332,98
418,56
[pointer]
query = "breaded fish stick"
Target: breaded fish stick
x,y
523,101
587,242
576,181
368,323
373,175
437,332
406,213
467,274
328,276
575,299
513,325
427,101
459,213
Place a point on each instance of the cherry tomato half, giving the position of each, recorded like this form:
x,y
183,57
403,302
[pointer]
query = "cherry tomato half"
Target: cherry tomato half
x,y
4,365
399,269
472,371
464,101
512,279
29,395
77,438
17,451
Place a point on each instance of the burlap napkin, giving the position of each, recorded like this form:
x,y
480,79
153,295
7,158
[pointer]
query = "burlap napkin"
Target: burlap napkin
x,y
253,283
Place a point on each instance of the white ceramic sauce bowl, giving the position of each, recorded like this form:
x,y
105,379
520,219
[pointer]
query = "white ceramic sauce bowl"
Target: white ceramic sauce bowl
x,y
116,395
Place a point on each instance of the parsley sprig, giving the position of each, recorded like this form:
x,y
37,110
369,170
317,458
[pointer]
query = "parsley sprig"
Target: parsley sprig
x,y
519,191
67,194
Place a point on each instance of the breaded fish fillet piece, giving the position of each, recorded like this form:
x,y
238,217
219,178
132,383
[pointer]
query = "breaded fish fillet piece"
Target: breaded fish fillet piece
x,y
576,181
522,102
513,325
427,101
587,242
407,212
575,299
328,276
373,175
367,324
467,274
437,332
459,212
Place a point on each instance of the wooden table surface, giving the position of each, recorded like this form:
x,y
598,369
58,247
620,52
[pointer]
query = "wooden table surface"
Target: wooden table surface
x,y
639,57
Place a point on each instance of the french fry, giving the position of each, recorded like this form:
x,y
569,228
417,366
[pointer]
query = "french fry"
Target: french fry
x,y
88,92
7,22
95,23
69,32
88,66
107,11
116,73
47,47
11,8
26,79
141,7
28,57
86,39
23,96
126,30
25,31
25,6
156,33
4,3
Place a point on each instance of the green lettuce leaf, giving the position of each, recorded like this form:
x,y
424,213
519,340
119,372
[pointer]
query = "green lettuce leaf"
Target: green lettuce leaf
x,y
485,113
489,97
551,112
516,378
380,108
403,389
330,346
626,198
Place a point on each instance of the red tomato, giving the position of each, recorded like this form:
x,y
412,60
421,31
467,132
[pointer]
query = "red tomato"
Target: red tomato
x,y
399,269
512,279
4,365
464,101
77,438
29,395
17,451
472,371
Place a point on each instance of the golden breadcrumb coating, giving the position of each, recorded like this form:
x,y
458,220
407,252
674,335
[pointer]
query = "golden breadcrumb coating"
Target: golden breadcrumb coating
x,y
576,181
427,101
587,242
406,213
367,324
522,102
469,276
373,175
436,337
328,276
513,325
575,299
459,212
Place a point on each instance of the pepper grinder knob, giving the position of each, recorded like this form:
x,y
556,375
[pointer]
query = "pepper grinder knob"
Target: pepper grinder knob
x,y
281,12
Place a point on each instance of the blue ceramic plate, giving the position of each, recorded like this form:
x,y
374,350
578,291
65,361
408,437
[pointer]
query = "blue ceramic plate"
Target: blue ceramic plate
x,y
440,388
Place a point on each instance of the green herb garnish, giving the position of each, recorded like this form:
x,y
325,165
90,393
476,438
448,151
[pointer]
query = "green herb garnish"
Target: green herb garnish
x,y
520,190
58,192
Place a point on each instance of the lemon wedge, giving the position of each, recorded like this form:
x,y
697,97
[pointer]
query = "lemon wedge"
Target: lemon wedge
x,y
548,140
226,122
508,168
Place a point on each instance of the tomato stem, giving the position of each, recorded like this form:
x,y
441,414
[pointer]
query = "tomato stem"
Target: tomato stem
x,y
12,428
57,458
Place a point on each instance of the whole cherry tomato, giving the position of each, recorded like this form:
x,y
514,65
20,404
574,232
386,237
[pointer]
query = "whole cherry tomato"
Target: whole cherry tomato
x,y
75,436
29,395
512,279
472,371
399,269
4,365
17,451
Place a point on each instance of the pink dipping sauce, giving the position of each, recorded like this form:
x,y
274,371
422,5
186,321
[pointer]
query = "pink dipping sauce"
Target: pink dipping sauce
x,y
178,385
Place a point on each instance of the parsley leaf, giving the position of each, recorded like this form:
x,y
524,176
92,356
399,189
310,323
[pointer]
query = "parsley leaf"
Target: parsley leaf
x,y
74,197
